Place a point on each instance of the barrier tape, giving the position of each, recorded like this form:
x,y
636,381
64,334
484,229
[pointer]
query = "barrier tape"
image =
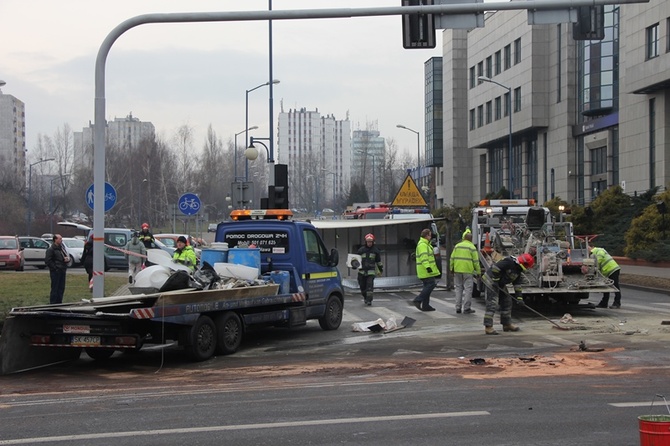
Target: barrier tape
x,y
125,251
93,274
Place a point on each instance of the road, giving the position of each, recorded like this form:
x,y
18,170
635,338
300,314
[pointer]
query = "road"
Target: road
x,y
419,385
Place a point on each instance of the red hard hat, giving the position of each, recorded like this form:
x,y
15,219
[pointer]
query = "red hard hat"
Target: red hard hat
x,y
370,237
526,260
145,225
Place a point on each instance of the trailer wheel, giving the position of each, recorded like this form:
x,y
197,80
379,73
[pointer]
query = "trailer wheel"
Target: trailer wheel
x,y
229,333
332,318
99,354
201,339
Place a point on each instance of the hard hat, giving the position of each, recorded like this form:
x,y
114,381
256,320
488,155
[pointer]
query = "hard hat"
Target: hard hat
x,y
145,225
369,237
526,260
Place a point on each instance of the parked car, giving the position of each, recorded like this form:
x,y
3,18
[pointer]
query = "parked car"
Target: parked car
x,y
74,248
170,240
212,227
11,253
34,251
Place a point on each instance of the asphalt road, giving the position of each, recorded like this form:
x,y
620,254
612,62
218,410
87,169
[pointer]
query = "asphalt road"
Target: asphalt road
x,y
419,385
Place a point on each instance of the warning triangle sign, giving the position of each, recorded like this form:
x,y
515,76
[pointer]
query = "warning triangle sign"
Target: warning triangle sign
x,y
409,195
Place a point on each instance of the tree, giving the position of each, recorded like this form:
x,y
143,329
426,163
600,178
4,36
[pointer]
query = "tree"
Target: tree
x,y
647,237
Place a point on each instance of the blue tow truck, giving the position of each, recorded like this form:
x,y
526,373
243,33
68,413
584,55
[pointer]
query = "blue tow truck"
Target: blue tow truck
x,y
204,322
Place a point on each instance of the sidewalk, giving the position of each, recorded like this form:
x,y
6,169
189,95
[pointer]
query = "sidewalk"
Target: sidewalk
x,y
643,268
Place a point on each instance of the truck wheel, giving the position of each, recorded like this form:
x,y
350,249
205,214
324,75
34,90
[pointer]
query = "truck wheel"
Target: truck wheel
x,y
332,318
228,333
99,354
202,339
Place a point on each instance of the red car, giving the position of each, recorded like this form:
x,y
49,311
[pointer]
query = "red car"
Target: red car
x,y
11,253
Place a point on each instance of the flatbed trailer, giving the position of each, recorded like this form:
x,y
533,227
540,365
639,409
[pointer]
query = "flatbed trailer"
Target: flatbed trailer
x,y
204,322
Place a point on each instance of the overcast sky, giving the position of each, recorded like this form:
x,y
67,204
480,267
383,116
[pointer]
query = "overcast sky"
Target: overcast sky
x,y
197,74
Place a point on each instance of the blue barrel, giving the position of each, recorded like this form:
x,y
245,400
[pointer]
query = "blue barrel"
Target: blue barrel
x,y
283,278
246,256
213,256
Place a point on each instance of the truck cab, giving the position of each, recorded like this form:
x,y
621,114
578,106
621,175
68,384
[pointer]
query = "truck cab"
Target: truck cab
x,y
296,247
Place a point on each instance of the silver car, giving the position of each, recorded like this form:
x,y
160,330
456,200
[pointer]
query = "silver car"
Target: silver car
x,y
34,251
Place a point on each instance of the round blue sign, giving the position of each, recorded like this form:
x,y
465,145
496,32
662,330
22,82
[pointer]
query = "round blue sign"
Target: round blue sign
x,y
110,196
189,204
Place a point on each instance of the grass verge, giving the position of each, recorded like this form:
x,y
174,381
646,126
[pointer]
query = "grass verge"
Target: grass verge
x,y
22,289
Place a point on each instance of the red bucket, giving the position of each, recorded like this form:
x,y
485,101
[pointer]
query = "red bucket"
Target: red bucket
x,y
654,430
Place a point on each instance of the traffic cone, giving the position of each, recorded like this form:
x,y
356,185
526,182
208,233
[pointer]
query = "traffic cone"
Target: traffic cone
x,y
487,244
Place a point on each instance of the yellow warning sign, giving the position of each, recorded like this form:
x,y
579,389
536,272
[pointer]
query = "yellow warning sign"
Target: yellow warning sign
x,y
409,194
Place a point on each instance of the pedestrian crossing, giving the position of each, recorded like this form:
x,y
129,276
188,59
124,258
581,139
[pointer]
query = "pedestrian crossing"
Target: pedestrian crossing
x,y
396,305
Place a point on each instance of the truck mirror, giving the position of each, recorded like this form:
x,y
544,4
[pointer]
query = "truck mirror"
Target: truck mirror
x,y
334,257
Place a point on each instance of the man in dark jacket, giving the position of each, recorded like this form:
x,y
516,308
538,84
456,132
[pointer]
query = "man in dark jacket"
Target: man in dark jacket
x,y
57,259
371,265
87,260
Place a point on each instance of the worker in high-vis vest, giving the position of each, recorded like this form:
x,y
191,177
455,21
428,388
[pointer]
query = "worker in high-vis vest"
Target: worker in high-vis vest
x,y
464,264
609,268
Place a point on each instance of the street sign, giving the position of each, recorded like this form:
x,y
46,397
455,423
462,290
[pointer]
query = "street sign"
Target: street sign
x,y
110,196
189,204
409,194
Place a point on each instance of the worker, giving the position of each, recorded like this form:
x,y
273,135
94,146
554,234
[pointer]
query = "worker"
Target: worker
x,y
371,265
464,264
496,278
146,237
184,254
426,270
610,269
466,232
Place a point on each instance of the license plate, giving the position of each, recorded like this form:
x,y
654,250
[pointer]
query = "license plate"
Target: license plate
x,y
85,340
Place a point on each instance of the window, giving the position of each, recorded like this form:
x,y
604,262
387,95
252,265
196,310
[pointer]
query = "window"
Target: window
x,y
507,103
498,62
498,108
473,77
508,57
480,70
667,32
473,123
599,160
489,67
517,99
517,51
489,112
652,41
480,116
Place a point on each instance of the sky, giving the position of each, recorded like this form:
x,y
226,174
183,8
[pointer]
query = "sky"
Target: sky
x,y
198,73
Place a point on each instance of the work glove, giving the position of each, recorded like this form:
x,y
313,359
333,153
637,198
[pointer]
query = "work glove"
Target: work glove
x,y
429,270
519,300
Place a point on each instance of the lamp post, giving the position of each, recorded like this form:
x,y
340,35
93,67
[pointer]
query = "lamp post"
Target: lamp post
x,y
561,208
418,149
139,210
30,188
245,131
327,172
509,109
51,201
246,110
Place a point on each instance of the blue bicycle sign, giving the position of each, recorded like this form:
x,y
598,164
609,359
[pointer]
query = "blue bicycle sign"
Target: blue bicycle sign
x,y
189,204
110,196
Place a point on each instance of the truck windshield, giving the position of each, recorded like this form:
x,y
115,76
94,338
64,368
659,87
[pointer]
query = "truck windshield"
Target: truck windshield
x,y
315,251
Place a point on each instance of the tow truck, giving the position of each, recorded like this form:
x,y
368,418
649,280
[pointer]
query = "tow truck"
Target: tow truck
x,y
563,271
204,322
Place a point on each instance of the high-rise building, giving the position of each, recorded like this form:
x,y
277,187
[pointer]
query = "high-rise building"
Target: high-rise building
x,y
13,136
368,151
317,151
125,132
583,115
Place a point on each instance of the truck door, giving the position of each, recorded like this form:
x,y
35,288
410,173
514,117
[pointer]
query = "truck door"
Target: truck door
x,y
319,277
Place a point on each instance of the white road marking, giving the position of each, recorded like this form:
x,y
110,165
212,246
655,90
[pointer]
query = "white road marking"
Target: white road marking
x,y
241,427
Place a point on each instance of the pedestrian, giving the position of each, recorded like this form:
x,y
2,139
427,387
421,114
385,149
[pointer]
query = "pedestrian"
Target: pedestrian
x,y
609,268
56,259
371,265
135,255
184,254
426,270
496,278
87,260
464,264
146,237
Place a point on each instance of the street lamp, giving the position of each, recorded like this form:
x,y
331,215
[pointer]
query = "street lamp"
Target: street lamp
x,y
509,109
139,211
561,208
418,149
327,172
30,187
51,201
246,110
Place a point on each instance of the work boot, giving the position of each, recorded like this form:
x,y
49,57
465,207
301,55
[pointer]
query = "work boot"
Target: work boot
x,y
490,331
602,304
510,327
130,280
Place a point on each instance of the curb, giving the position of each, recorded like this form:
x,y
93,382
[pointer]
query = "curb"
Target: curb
x,y
639,262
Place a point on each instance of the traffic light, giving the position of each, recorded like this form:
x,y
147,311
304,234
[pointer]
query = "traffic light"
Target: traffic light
x,y
418,30
278,197
590,23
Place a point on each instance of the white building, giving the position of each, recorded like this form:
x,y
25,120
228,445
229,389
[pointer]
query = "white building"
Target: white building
x,y
367,155
317,151
13,136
